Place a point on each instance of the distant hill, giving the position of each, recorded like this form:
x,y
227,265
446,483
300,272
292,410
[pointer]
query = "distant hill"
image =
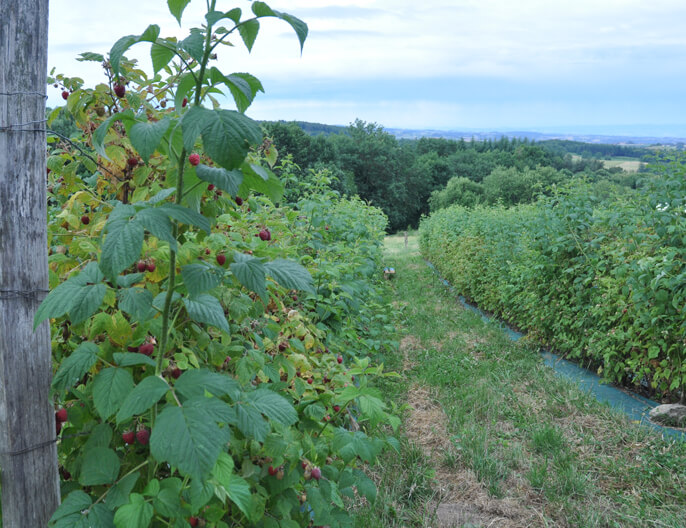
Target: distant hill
x,y
315,129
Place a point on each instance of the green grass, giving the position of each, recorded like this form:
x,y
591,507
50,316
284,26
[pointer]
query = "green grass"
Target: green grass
x,y
515,433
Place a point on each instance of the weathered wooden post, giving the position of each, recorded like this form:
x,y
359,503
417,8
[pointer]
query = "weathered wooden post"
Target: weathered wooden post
x,y
28,452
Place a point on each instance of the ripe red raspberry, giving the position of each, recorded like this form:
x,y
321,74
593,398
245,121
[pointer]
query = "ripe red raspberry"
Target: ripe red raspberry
x,y
120,90
221,259
316,473
85,220
129,437
61,415
194,159
150,266
239,200
184,102
176,373
210,187
310,381
141,266
132,162
336,408
65,95
147,349
265,235
272,470
193,521
143,436
339,359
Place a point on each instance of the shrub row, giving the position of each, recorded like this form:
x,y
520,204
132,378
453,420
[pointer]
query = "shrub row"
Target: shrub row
x,y
602,281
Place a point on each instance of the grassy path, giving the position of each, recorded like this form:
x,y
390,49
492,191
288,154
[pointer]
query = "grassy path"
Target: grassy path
x,y
492,438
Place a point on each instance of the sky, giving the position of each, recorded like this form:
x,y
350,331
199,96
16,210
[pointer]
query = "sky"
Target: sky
x,y
590,66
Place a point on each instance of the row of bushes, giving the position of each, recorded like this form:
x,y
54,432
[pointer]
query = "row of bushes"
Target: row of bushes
x,y
602,281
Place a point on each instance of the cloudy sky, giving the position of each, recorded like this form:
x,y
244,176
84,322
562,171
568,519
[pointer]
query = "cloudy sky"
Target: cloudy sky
x,y
552,65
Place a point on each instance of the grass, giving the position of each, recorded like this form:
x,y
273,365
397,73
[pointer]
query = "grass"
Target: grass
x,y
489,428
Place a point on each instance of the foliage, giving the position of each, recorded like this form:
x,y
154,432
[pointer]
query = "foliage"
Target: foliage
x,y
599,280
212,341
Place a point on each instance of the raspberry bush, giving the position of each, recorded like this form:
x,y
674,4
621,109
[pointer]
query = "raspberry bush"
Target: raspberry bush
x,y
212,343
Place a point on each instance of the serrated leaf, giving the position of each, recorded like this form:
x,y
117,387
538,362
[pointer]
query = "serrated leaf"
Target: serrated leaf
x,y
263,10
90,56
251,423
250,273
161,196
207,309
156,220
100,466
130,359
248,31
86,301
111,386
236,487
146,394
193,383
193,123
122,247
75,502
161,54
119,493
186,216
136,514
365,485
73,368
272,187
227,136
272,405
100,516
226,180
194,44
118,49
176,8
197,440
146,136
199,278
137,302
126,281
290,274
101,132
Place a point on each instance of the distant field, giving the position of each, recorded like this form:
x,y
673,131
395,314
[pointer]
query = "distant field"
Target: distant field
x,y
628,164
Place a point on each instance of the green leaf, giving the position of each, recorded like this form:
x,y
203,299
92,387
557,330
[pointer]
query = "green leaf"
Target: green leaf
x,y
100,516
194,44
243,88
272,405
136,514
253,178
72,369
290,274
119,493
229,181
185,85
123,244
146,136
251,423
130,359
193,123
200,278
263,10
157,222
236,487
100,436
227,136
75,502
118,49
146,394
248,31
101,132
207,309
193,383
186,216
111,386
365,485
100,466
90,56
161,54
137,302
250,273
126,281
197,440
80,295
176,8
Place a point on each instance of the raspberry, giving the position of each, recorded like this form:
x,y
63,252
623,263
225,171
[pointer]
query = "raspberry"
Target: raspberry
x,y
119,90
194,159
143,436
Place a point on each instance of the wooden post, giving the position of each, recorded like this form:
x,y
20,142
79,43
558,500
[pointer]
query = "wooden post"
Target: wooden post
x,y
28,452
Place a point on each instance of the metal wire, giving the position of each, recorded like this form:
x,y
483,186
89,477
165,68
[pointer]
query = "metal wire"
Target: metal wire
x,y
25,93
26,294
29,449
16,126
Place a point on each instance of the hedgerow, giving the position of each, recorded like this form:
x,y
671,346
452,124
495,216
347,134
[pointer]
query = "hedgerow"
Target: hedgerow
x,y
600,280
